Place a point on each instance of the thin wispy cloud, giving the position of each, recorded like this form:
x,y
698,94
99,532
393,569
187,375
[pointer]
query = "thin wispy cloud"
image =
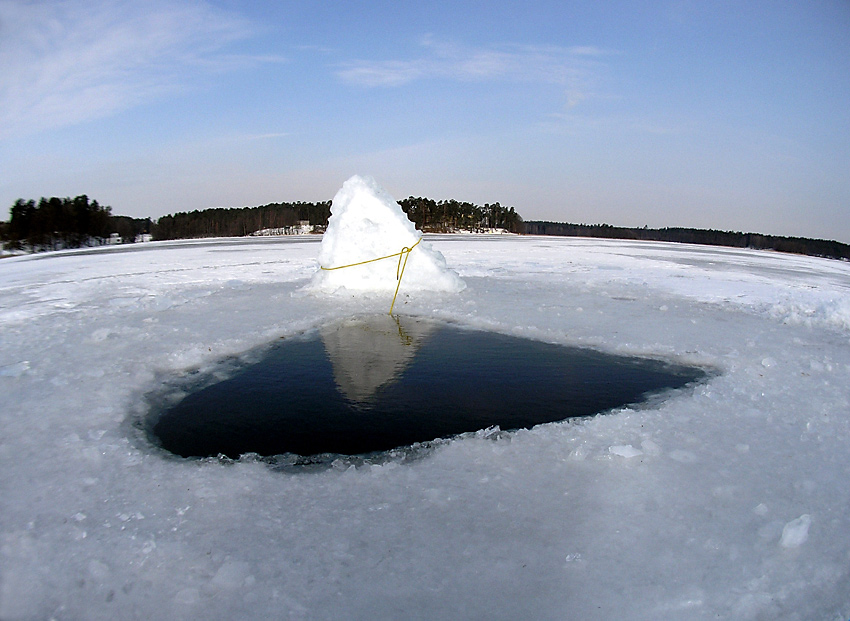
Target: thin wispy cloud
x,y
320,49
588,50
574,70
442,60
269,136
66,62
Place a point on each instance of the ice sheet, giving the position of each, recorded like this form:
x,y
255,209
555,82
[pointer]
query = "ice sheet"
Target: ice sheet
x,y
730,501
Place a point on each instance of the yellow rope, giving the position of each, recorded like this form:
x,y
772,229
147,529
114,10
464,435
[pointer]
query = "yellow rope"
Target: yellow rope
x,y
399,270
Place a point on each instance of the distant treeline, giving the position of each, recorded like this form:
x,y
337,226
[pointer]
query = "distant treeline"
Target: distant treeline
x,y
425,213
796,245
56,223
444,216
239,221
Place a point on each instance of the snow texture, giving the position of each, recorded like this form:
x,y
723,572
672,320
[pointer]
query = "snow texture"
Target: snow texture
x,y
727,501
367,223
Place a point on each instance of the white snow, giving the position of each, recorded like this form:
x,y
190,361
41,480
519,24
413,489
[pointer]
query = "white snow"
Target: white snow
x,y
366,223
734,503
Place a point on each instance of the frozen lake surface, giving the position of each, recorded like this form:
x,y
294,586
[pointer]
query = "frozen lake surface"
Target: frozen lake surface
x,y
728,501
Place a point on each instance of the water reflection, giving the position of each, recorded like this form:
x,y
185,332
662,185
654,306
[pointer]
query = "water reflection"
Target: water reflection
x,y
369,353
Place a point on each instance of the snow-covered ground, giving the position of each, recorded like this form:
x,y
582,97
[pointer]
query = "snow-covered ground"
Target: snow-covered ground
x,y
730,501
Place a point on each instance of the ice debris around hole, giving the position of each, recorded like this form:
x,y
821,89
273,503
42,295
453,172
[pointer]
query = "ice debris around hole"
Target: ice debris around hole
x,y
626,451
796,532
366,223
14,370
232,575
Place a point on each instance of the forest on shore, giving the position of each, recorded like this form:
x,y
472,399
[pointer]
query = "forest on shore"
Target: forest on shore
x,y
57,223
427,214
707,237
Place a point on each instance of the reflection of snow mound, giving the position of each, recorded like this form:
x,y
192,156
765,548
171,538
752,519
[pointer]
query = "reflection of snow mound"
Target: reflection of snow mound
x,y
368,353
367,223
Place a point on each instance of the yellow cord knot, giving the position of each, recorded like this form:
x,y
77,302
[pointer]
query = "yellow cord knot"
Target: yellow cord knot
x,y
399,270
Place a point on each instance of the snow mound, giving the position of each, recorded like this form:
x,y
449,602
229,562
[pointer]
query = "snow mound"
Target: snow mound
x,y
366,223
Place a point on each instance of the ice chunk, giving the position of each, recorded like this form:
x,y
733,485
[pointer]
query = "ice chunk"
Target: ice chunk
x,y
98,570
366,223
14,370
796,532
625,450
682,456
101,334
650,448
231,575
187,596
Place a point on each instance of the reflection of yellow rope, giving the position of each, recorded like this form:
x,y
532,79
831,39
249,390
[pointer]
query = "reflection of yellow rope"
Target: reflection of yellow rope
x,y
405,338
399,270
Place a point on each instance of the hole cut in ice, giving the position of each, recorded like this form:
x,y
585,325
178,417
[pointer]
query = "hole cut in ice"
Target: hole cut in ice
x,y
374,384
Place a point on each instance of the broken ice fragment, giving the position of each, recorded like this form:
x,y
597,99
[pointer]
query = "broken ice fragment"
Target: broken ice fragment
x,y
14,370
627,451
796,532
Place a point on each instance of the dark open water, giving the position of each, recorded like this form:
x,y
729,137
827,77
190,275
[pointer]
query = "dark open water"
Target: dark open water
x,y
379,383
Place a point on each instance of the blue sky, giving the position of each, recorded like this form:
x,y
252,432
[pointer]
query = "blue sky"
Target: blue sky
x,y
727,115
